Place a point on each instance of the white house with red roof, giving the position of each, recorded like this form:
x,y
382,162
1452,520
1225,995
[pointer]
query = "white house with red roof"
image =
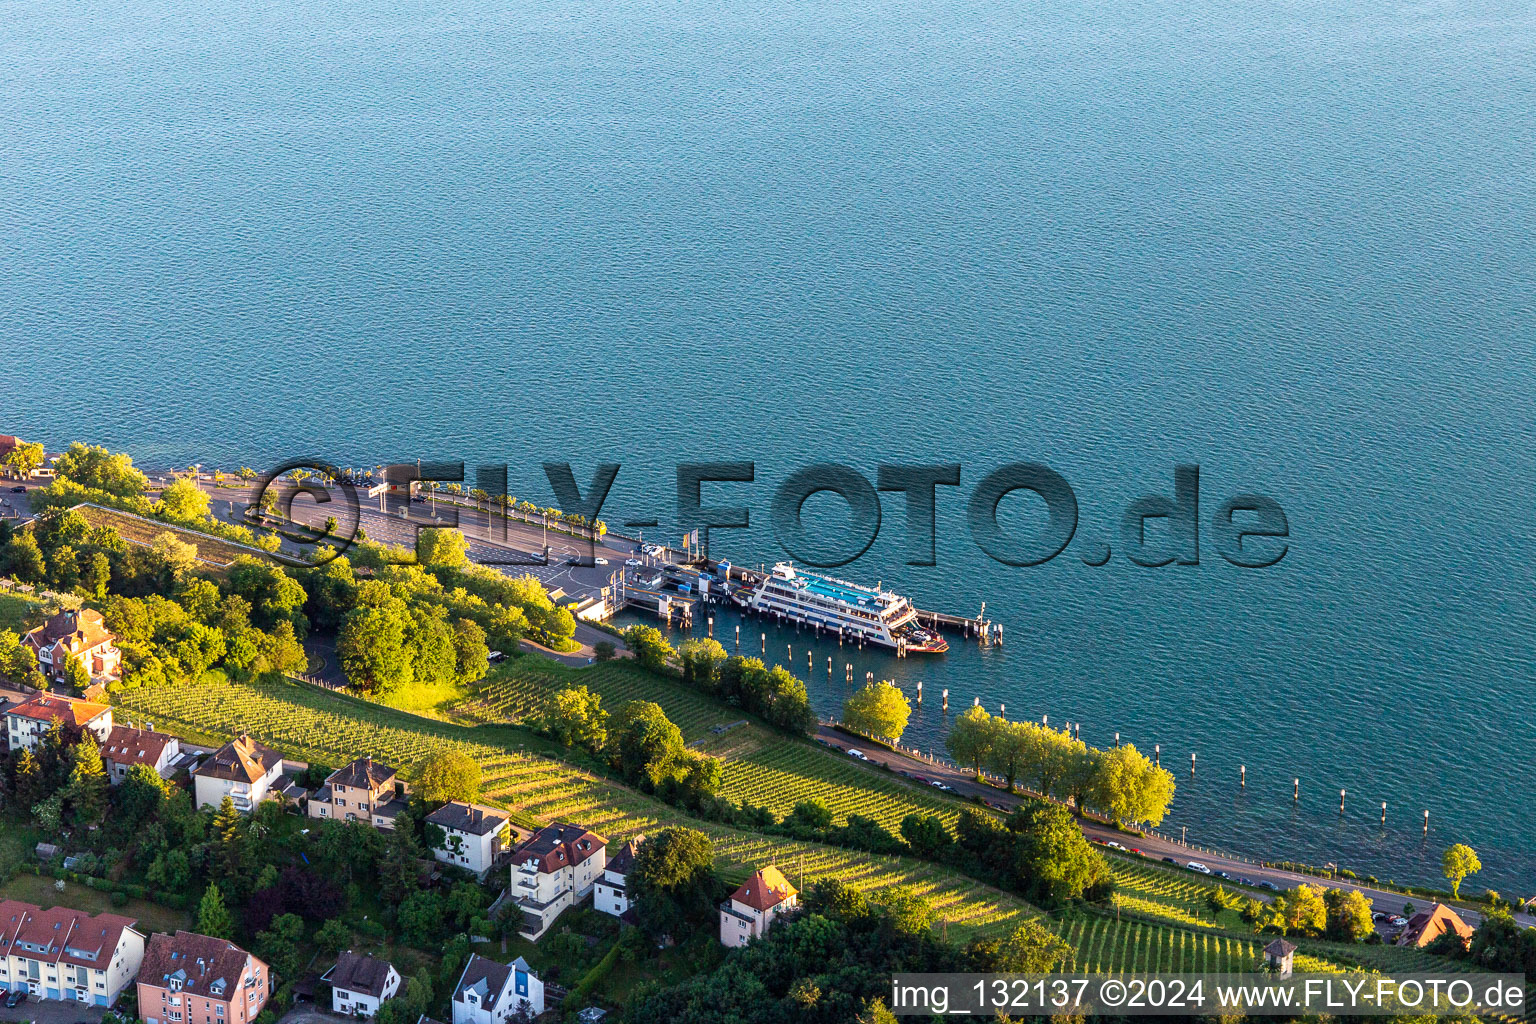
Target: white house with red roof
x,y
65,954
79,634
753,908
29,721
555,869
242,769
126,746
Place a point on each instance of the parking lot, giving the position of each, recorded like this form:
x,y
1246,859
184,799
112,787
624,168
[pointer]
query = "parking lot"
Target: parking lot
x,y
52,1011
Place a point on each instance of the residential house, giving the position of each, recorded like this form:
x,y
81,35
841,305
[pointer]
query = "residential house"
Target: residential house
x,y
188,978
753,908
360,983
1428,925
474,835
79,634
610,893
493,993
366,791
29,721
555,869
65,954
242,769
126,746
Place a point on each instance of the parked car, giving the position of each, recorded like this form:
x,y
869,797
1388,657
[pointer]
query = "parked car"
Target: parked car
x,y
917,778
936,784
1378,916
18,490
599,561
853,752
1243,880
1223,874
1169,860
632,562
1137,852
997,806
494,656
1196,866
1397,921
15,998
1265,883
1113,845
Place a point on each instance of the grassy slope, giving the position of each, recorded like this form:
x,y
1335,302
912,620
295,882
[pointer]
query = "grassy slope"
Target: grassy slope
x,y
19,613
524,773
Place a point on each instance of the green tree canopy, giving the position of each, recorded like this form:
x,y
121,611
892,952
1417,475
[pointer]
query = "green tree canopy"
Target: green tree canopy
x,y
184,500
448,775
575,717
674,882
1458,862
213,917
879,710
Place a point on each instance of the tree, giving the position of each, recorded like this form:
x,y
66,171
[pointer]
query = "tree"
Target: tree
x,y
24,458
701,658
96,576
649,647
75,675
333,936
421,917
372,647
604,650
471,655
30,786
1300,911
575,717
673,881
171,870
229,833
1458,862
177,554
1032,948
909,912
98,469
24,559
926,835
436,546
213,917
1054,860
879,710
278,945
1131,787
183,500
643,741
970,739
1348,915
449,775
87,789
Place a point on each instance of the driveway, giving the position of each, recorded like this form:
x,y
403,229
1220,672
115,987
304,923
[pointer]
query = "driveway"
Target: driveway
x,y
309,1013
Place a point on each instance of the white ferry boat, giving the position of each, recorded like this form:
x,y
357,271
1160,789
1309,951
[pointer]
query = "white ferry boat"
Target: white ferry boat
x,y
856,612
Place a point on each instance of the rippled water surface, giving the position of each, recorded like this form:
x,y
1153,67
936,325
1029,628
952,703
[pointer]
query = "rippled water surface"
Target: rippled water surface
x,y
1289,242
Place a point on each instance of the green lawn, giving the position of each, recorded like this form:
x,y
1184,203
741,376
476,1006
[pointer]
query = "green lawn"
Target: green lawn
x,y
40,890
18,612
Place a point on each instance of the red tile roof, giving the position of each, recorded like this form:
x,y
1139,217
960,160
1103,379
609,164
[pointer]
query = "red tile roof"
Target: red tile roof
x,y
558,846
1428,925
128,746
82,630
59,935
767,888
67,709
239,760
200,962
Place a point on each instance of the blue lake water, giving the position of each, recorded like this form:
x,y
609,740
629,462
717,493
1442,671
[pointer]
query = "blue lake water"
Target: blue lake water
x,y
1291,243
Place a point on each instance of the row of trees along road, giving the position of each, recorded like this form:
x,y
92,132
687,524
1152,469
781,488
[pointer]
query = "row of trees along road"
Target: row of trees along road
x,y
1120,781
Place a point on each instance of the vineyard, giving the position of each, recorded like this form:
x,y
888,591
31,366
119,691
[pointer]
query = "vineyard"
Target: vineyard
x,y
1104,944
761,766
138,530
327,728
